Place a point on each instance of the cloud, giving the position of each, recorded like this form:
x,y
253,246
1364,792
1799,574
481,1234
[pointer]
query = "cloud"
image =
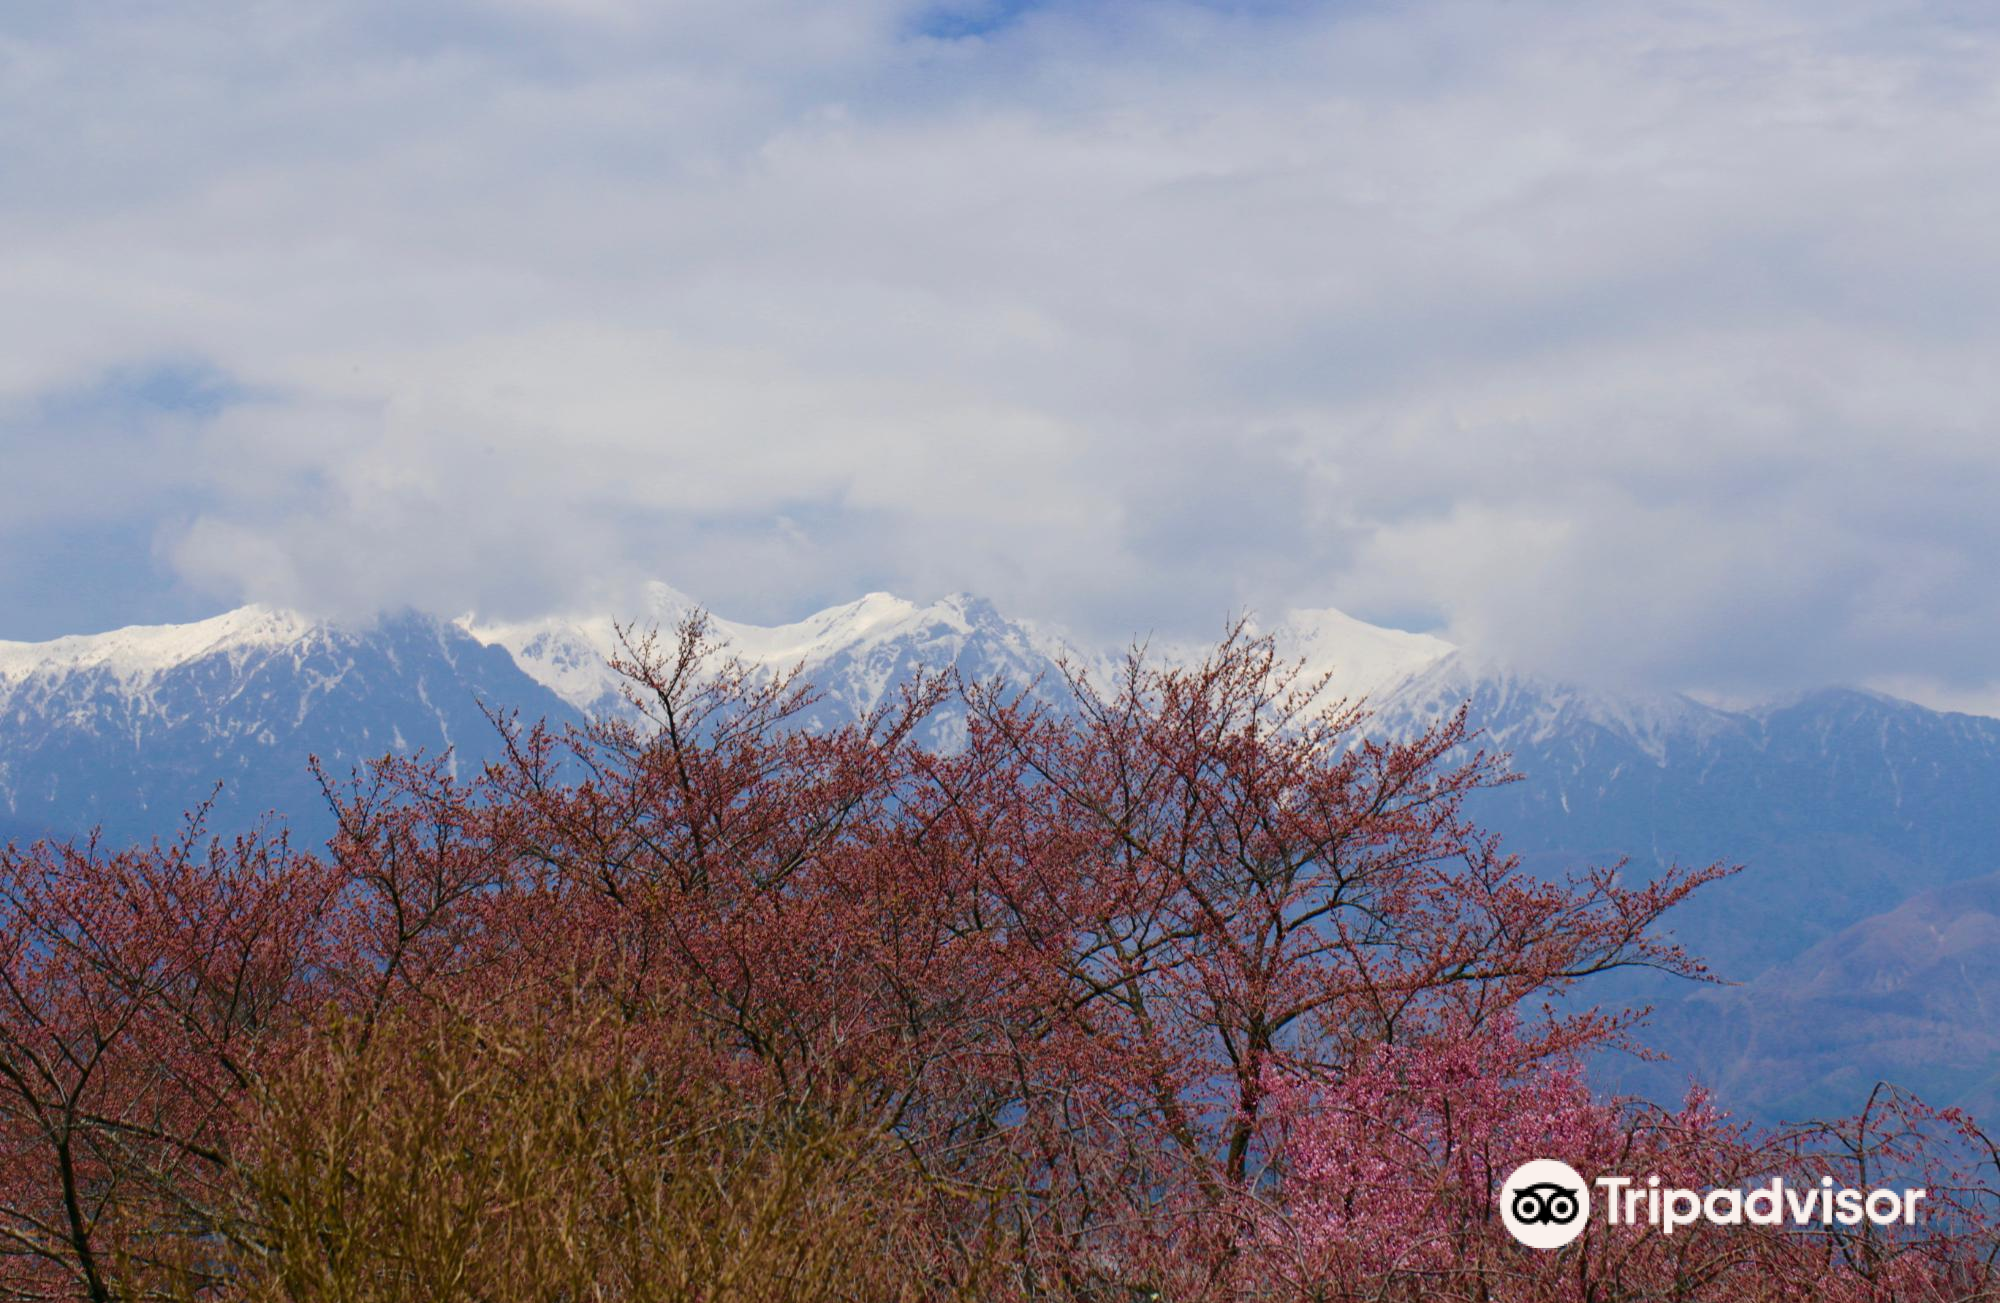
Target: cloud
x,y
1629,341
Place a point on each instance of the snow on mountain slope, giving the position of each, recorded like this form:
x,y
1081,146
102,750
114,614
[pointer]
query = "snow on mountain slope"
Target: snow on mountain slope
x,y
855,655
258,678
571,655
856,652
129,729
1360,659
1516,710
132,655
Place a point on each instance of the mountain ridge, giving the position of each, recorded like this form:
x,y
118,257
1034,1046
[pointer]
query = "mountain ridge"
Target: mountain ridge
x,y
130,730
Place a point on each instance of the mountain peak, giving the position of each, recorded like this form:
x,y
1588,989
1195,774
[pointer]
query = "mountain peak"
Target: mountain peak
x,y
140,651
1363,660
664,602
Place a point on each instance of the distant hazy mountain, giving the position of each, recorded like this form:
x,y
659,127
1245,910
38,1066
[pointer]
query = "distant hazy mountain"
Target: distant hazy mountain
x,y
1862,819
1908,995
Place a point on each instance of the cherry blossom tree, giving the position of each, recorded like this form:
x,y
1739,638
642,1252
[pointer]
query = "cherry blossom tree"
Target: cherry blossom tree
x,y
1182,984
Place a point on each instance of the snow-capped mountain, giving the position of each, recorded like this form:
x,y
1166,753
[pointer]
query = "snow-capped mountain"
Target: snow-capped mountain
x,y
1517,711
853,650
130,729
1359,660
855,655
1844,805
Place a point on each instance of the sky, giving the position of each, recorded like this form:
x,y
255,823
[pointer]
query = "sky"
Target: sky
x,y
1648,342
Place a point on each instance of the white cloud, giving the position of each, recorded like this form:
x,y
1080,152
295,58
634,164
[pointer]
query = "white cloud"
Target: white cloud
x,y
1631,340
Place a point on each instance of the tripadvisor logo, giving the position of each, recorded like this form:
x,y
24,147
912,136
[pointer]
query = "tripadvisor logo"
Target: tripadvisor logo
x,y
1544,1204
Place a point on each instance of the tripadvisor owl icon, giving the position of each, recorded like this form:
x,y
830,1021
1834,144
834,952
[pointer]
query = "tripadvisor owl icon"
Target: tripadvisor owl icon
x,y
1544,1204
